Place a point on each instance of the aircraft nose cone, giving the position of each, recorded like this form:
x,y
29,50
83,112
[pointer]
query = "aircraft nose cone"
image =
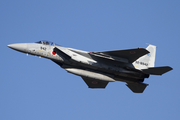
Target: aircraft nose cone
x,y
22,47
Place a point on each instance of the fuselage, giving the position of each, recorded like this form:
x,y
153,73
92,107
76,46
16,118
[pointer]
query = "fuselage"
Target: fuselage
x,y
73,58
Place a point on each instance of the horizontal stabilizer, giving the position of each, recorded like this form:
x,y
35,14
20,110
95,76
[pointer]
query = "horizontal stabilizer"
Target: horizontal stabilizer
x,y
157,70
137,87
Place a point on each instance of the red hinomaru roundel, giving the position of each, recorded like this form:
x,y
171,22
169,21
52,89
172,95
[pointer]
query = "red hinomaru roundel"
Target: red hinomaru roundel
x,y
53,52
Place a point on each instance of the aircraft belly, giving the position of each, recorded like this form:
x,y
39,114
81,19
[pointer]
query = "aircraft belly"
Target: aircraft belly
x,y
119,72
102,74
91,74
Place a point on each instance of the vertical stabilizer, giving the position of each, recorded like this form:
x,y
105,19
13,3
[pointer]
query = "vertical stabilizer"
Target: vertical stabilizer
x,y
148,60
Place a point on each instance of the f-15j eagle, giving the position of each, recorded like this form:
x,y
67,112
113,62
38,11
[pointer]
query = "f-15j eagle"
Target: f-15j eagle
x,y
97,69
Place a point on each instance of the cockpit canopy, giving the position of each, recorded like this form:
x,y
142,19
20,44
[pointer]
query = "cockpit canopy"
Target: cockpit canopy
x,y
44,42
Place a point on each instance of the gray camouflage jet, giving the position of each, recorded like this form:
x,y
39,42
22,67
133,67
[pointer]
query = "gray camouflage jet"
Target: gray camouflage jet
x,y
97,69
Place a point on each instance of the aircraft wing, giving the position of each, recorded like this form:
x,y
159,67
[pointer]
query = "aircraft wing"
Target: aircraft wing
x,y
93,83
130,54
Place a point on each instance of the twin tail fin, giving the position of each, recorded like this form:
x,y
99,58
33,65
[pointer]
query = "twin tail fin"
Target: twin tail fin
x,y
146,63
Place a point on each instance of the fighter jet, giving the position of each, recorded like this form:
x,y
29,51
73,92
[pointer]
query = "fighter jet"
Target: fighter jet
x,y
97,69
